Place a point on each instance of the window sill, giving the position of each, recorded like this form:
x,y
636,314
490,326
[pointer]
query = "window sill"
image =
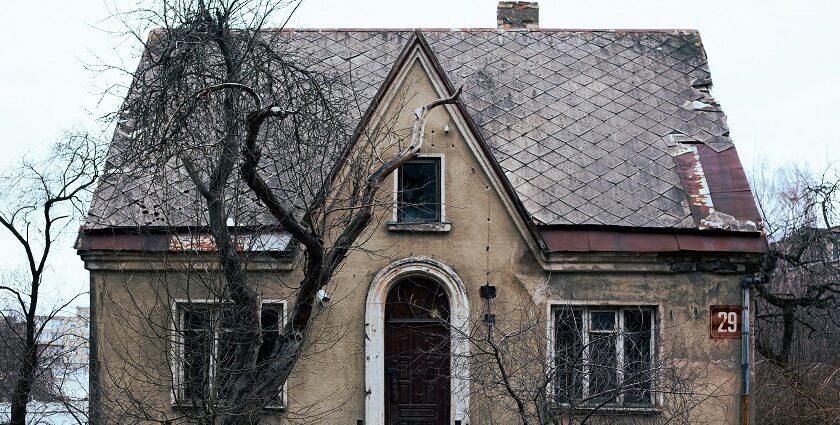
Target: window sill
x,y
436,227
613,410
189,405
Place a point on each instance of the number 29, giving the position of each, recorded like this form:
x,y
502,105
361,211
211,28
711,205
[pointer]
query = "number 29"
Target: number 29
x,y
728,322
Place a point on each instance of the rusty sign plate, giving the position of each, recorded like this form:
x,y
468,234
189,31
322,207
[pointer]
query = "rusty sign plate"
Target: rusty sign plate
x,y
725,321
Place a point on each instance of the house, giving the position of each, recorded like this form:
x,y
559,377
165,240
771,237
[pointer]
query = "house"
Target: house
x,y
572,219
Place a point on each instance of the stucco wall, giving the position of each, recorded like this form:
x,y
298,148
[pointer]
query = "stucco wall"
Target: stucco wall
x,y
484,245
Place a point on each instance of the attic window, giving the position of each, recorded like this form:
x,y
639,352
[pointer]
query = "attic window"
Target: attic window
x,y
419,191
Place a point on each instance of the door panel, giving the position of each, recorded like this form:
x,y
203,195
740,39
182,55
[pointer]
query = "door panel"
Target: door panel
x,y
417,374
417,353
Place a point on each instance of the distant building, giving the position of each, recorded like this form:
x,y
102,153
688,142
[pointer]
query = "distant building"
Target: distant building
x,y
69,334
63,376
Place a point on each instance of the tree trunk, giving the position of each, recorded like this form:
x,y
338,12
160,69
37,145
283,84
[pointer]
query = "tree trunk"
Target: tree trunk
x,y
26,374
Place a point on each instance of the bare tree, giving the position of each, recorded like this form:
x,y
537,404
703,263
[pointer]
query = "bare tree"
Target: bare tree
x,y
40,201
227,110
797,312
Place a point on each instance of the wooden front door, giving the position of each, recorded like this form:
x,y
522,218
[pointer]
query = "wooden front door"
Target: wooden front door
x,y
417,382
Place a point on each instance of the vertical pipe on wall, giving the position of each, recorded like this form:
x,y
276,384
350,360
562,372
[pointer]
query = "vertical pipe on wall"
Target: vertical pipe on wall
x,y
745,350
746,286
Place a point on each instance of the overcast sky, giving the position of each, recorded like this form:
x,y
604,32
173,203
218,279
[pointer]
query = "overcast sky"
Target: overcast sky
x,y
775,66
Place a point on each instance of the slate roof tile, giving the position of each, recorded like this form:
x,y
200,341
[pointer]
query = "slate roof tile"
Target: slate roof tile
x,y
575,119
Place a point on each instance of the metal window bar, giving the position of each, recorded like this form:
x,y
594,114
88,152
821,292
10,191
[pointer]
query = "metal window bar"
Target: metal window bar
x,y
215,329
620,331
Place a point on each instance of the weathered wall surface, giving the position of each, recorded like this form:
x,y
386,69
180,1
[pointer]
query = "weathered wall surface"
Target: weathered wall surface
x,y
328,385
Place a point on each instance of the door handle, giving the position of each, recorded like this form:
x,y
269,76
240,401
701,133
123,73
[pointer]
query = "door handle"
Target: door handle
x,y
392,376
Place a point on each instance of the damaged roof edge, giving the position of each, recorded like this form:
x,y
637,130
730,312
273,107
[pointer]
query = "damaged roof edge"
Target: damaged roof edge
x,y
275,242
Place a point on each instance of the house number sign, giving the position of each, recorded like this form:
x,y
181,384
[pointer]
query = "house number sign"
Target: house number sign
x,y
725,321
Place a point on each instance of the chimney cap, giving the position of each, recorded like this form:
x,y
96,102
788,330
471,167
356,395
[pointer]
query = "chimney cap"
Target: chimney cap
x,y
518,15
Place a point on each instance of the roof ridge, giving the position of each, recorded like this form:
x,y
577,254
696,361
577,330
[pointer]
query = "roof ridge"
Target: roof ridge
x,y
551,30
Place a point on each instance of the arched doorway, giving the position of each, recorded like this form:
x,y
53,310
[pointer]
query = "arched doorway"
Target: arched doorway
x,y
417,353
375,323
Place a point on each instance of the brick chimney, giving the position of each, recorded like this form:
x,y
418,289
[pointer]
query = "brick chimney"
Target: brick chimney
x,y
513,15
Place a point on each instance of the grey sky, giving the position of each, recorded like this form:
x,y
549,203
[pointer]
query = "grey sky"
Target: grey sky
x,y
775,66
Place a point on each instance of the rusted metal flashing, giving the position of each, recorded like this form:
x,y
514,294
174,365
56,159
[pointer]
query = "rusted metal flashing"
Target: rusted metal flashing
x,y
728,184
723,221
119,241
594,240
279,242
715,184
193,243
694,181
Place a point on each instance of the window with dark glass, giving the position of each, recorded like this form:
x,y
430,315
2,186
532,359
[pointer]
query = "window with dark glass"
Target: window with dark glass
x,y
209,337
568,355
197,347
603,356
418,189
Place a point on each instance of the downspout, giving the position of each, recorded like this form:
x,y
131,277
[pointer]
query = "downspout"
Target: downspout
x,y
746,284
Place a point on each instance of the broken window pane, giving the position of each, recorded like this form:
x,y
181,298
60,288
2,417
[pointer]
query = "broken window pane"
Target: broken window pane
x,y
198,346
419,191
568,359
637,357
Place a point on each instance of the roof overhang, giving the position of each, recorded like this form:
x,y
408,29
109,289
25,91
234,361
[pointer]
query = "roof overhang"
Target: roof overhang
x,y
177,240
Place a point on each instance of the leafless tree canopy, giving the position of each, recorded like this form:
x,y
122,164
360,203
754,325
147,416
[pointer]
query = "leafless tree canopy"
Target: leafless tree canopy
x,y
798,311
41,200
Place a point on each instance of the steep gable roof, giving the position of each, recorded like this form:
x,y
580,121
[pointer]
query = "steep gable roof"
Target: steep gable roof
x,y
590,128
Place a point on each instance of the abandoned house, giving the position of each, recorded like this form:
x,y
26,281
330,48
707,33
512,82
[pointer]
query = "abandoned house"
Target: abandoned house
x,y
570,243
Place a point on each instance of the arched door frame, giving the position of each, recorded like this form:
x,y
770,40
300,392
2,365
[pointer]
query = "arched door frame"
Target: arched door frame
x,y
375,334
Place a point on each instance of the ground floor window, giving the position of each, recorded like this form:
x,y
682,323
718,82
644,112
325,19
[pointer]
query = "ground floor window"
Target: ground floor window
x,y
604,356
206,342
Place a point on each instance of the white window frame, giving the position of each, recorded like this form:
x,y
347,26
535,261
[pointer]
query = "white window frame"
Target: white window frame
x,y
586,311
396,191
177,347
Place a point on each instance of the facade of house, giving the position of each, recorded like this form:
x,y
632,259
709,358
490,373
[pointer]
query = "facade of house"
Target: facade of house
x,y
583,202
